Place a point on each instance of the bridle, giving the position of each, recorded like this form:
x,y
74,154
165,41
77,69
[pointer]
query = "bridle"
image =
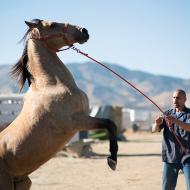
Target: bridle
x,y
45,38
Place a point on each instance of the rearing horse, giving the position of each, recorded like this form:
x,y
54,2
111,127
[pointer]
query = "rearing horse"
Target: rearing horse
x,y
54,107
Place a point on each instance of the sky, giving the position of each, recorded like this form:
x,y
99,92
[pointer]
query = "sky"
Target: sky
x,y
147,35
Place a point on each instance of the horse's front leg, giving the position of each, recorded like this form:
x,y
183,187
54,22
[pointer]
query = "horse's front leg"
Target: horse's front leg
x,y
22,183
6,181
83,122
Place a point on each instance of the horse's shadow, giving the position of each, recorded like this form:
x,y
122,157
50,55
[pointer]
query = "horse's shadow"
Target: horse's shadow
x,y
103,156
84,150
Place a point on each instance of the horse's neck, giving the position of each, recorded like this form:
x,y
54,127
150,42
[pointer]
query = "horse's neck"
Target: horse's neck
x,y
46,68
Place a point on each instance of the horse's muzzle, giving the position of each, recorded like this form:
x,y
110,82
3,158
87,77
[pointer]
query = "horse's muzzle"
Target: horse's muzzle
x,y
84,36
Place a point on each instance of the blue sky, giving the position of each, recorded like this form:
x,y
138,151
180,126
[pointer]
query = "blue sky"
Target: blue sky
x,y
146,35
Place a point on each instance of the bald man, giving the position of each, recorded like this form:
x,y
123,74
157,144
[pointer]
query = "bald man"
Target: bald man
x,y
175,155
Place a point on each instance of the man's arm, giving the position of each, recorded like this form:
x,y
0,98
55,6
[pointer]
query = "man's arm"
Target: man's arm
x,y
156,125
183,125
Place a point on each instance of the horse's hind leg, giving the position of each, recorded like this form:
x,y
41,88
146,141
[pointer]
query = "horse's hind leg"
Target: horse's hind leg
x,y
83,122
22,183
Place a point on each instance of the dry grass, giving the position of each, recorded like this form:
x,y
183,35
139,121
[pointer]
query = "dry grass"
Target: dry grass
x,y
139,168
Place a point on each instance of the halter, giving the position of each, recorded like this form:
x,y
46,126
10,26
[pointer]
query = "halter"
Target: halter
x,y
45,38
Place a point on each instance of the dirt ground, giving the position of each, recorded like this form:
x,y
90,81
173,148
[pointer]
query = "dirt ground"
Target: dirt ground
x,y
139,168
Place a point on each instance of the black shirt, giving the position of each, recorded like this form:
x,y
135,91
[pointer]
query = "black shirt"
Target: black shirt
x,y
171,150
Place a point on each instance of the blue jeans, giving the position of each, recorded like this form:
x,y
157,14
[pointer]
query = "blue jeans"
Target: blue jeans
x,y
170,175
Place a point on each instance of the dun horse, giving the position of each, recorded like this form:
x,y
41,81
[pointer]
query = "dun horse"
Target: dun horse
x,y
54,107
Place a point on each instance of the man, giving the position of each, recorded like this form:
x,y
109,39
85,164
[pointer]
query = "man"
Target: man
x,y
176,141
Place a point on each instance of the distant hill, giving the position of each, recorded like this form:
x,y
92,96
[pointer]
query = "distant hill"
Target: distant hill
x,y
102,87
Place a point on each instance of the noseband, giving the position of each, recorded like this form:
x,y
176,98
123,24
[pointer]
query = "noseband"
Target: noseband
x,y
45,38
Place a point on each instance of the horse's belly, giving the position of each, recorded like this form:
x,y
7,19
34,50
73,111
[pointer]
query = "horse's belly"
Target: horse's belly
x,y
57,103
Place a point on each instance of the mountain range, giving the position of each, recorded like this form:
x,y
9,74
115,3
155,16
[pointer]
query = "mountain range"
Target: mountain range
x,y
104,88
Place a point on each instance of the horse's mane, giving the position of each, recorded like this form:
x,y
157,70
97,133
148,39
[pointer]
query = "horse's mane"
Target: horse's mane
x,y
20,70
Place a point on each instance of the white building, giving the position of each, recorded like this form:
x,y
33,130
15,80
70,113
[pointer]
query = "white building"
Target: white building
x,y
141,118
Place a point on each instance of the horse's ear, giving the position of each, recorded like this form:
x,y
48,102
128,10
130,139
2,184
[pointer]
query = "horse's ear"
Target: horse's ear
x,y
33,24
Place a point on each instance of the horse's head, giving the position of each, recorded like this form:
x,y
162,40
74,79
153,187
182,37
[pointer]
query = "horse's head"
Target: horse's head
x,y
54,36
57,35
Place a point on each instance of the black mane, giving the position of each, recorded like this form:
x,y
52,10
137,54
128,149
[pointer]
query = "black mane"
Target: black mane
x,y
20,70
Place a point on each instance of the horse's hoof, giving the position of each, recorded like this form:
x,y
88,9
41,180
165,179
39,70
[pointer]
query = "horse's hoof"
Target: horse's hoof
x,y
112,163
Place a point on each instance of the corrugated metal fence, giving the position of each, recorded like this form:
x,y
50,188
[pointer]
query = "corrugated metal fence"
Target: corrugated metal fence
x,y
10,106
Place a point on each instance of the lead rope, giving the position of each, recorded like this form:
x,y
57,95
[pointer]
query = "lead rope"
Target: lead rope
x,y
126,81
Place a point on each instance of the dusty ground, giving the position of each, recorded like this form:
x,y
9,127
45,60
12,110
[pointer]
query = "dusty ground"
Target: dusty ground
x,y
139,168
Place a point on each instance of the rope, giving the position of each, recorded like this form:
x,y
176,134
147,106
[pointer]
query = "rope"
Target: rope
x,y
133,86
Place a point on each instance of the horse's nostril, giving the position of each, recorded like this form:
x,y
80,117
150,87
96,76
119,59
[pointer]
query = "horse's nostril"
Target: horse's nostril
x,y
85,31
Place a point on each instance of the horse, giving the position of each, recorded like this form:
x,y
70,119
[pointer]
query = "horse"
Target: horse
x,y
54,108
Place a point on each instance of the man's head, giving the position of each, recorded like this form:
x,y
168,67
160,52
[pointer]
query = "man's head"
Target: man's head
x,y
179,99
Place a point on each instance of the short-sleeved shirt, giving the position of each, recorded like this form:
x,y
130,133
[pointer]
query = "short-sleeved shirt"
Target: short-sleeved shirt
x,y
171,149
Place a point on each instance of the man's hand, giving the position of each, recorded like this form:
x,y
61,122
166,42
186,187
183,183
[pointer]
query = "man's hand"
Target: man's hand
x,y
156,125
183,125
159,120
171,119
